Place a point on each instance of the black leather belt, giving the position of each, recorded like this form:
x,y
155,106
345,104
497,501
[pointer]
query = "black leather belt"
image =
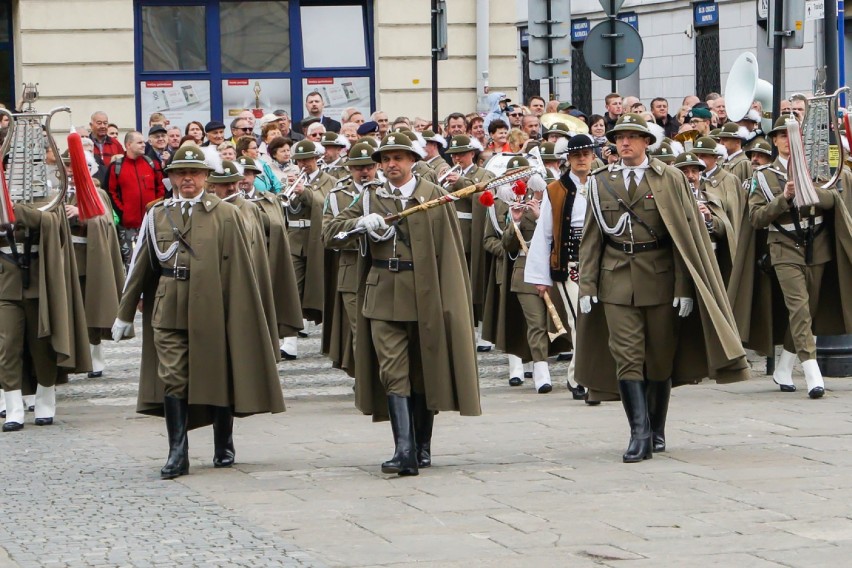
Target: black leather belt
x,y
394,264
178,273
632,248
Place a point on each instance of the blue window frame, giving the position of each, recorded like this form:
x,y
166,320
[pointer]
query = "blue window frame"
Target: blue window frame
x,y
218,78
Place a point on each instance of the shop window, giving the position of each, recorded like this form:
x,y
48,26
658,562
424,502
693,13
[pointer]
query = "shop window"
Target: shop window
x,y
333,36
174,38
255,37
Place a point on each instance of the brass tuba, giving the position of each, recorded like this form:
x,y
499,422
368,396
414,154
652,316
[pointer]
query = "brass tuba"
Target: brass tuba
x,y
24,153
687,138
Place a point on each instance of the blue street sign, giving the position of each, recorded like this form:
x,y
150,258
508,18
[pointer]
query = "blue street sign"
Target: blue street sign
x,y
706,14
579,29
630,18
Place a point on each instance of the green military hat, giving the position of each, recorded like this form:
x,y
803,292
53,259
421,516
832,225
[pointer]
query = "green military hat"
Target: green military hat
x,y
397,141
66,157
714,134
248,164
230,173
305,150
430,136
371,140
517,162
781,124
462,143
561,129
360,154
333,139
760,146
548,151
732,130
631,122
704,145
188,157
664,153
689,159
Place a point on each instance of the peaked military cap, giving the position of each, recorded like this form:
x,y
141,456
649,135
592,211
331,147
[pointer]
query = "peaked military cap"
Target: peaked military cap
x,y
759,147
462,143
430,136
360,154
559,128
230,173
332,139
704,145
689,159
397,141
631,122
547,150
781,124
517,162
305,150
188,157
249,164
664,153
731,130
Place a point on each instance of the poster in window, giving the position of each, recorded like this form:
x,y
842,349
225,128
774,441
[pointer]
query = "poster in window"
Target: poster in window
x,y
261,96
181,101
339,93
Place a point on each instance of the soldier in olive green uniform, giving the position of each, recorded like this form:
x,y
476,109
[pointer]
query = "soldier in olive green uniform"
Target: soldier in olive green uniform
x,y
434,144
664,153
799,249
760,154
720,183
303,213
415,342
732,137
471,216
207,354
628,263
335,154
341,292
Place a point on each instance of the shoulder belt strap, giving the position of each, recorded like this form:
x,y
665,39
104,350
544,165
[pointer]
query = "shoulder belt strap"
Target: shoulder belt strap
x,y
629,209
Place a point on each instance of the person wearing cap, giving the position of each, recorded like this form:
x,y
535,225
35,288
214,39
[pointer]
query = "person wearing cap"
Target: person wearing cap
x,y
551,160
802,242
552,265
340,315
643,246
206,350
664,153
435,143
760,154
133,181
273,230
498,108
157,147
698,118
421,169
304,224
524,213
334,145
215,132
719,182
99,268
43,335
558,130
732,136
415,342
471,216
722,235
369,128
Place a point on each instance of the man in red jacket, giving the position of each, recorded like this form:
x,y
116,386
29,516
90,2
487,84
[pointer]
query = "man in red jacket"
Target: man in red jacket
x,y
106,147
133,180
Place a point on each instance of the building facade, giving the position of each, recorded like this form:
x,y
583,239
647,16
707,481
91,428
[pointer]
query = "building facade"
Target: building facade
x,y
209,59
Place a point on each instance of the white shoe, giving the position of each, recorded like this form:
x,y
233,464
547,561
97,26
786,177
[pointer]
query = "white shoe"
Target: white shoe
x,y
541,377
516,371
98,363
816,386
14,407
45,402
289,348
783,375
29,401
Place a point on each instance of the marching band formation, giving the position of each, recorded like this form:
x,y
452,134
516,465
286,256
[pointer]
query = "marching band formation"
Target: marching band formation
x,y
650,262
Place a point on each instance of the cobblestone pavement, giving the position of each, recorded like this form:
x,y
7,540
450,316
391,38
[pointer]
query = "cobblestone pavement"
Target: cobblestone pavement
x,y
753,477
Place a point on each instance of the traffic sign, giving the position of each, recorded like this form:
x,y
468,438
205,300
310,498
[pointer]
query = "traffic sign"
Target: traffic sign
x,y
611,7
620,62
793,20
549,24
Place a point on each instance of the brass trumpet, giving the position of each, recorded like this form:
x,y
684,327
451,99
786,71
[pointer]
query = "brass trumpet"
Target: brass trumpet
x,y
455,169
287,194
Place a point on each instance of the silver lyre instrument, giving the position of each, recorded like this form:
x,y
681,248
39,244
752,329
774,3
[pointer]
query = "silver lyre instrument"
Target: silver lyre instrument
x,y
287,194
809,151
456,169
24,152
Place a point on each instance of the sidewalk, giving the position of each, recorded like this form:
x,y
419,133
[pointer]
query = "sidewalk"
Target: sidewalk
x,y
753,477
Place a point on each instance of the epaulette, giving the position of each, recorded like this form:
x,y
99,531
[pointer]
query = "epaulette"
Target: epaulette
x,y
765,166
152,204
599,170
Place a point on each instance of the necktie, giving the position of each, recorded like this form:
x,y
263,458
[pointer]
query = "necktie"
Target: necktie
x,y
631,184
185,209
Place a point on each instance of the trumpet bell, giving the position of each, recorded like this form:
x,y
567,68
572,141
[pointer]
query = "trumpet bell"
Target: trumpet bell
x,y
687,138
744,87
574,124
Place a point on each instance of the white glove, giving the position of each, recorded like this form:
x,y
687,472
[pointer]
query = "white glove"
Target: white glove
x,y
586,303
685,304
121,329
372,222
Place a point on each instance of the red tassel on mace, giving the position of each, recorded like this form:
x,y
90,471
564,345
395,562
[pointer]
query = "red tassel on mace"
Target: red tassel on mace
x,y
89,203
520,188
486,198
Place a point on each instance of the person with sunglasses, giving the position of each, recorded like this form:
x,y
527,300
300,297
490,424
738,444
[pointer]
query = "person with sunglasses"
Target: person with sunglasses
x,y
240,127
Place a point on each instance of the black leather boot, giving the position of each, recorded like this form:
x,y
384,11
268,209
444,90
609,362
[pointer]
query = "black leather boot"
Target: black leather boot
x,y
404,460
636,408
658,394
177,415
223,437
423,421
